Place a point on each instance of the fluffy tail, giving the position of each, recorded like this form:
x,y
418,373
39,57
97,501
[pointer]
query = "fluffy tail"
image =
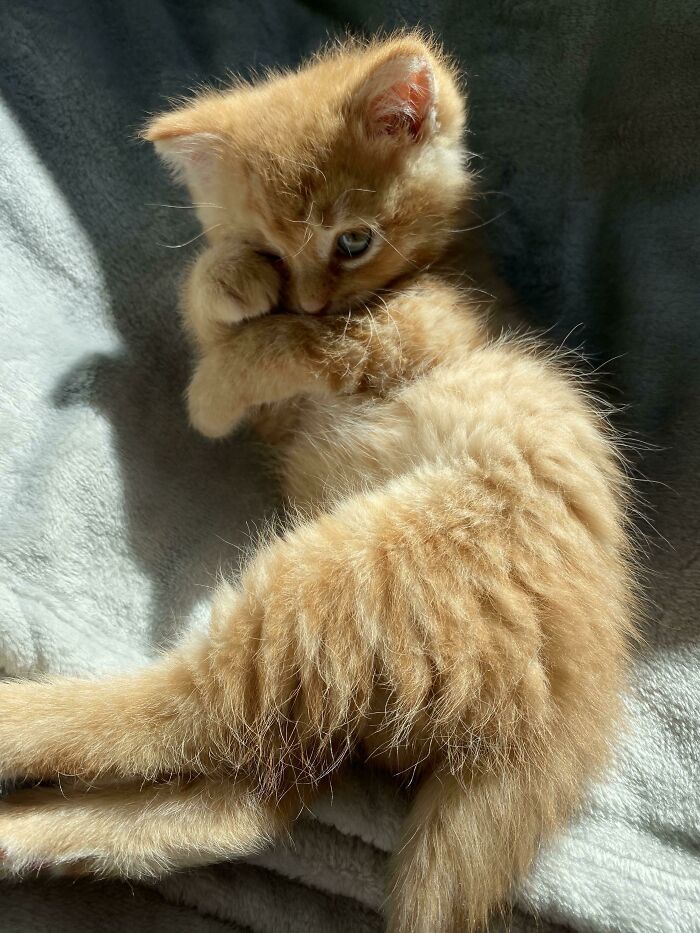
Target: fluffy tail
x,y
465,844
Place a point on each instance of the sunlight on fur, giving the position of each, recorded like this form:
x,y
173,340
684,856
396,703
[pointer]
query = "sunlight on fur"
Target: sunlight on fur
x,y
452,598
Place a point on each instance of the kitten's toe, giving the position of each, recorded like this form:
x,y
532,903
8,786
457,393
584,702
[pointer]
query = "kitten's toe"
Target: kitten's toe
x,y
216,293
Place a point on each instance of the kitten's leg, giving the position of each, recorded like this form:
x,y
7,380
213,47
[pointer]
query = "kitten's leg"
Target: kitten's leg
x,y
135,831
271,359
248,369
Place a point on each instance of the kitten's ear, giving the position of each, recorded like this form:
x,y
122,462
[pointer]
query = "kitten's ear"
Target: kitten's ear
x,y
190,152
398,99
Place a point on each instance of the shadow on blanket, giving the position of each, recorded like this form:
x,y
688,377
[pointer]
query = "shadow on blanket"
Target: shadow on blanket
x,y
190,505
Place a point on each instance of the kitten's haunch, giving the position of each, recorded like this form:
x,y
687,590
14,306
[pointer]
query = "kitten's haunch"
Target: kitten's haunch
x,y
456,602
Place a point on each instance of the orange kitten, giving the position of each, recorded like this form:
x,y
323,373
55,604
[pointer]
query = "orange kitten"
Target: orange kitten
x,y
456,600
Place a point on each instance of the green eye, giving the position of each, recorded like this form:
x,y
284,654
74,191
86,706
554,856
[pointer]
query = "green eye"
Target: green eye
x,y
353,243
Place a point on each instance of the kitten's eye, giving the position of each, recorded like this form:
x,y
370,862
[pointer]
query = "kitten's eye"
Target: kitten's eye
x,y
353,243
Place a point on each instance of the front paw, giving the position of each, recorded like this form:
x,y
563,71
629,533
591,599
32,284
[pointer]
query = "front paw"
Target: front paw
x,y
213,412
231,303
225,288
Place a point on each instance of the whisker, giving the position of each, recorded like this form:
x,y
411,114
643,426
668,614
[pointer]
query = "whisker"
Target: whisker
x,y
314,168
368,190
307,239
187,207
348,191
307,221
187,242
476,195
388,242
479,226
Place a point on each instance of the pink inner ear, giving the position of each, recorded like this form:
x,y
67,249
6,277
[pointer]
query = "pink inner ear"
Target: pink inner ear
x,y
404,106
191,155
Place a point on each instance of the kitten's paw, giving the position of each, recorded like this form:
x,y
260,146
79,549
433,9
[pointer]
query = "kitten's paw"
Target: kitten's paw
x,y
251,299
212,413
227,289
257,294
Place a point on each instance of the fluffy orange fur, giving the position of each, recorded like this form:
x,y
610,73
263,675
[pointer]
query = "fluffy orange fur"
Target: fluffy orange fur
x,y
452,596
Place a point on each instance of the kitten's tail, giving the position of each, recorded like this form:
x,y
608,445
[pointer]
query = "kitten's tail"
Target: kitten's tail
x,y
465,843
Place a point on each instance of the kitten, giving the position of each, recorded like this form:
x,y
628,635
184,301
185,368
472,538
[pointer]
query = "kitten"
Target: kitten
x,y
456,601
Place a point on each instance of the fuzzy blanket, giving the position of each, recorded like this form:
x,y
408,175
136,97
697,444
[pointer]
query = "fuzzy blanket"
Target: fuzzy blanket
x,y
114,517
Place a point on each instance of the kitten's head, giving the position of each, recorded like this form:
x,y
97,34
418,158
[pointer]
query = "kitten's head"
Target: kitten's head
x,y
348,173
